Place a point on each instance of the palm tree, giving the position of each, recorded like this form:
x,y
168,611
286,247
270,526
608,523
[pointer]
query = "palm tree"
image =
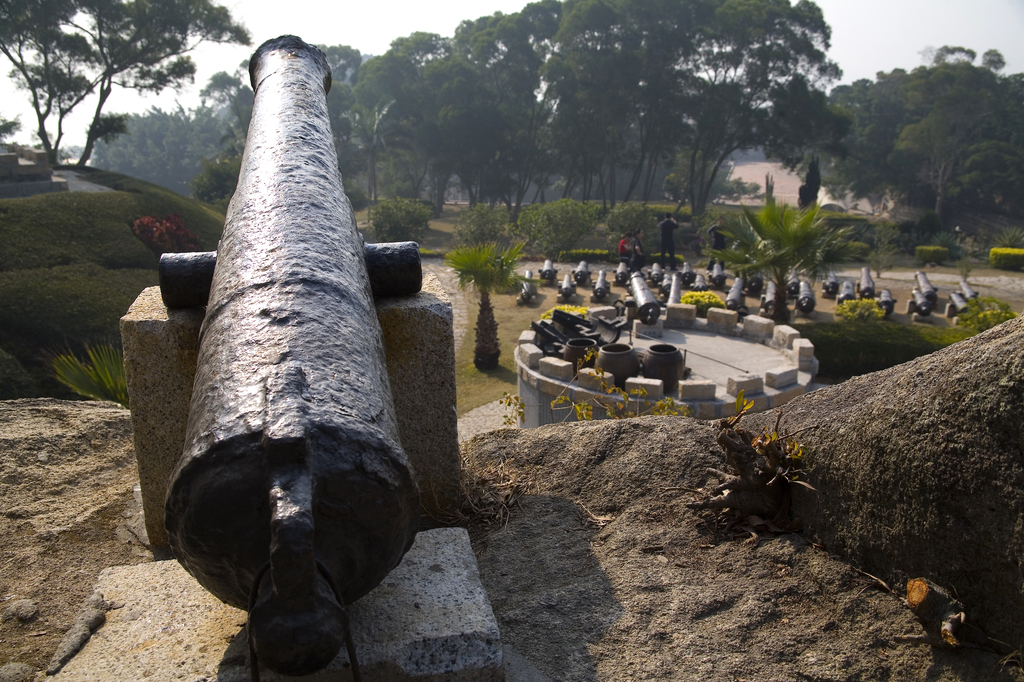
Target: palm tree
x,y
488,268
779,239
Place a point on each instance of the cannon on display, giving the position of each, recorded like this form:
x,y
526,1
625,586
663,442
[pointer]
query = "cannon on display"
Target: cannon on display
x,y
734,299
717,276
657,274
548,273
293,496
793,285
967,290
755,284
846,292
925,287
699,283
922,304
622,274
687,274
886,302
568,288
601,287
768,299
527,289
582,273
830,286
866,286
675,291
805,301
647,307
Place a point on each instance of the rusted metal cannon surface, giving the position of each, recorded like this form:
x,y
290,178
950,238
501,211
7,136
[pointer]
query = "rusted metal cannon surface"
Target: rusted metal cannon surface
x,y
292,470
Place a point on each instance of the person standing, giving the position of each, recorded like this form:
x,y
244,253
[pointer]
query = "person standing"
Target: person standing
x,y
668,244
637,261
626,248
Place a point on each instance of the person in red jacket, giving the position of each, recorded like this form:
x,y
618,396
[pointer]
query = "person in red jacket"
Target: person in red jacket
x,y
625,249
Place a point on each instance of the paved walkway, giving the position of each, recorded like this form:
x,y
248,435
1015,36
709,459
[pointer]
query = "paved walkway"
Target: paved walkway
x,y
77,184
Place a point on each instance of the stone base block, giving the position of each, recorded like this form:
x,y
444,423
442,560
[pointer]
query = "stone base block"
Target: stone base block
x,y
654,331
748,383
783,337
530,355
655,388
528,336
589,379
556,368
722,318
697,388
780,377
680,315
758,328
605,312
429,620
787,394
911,307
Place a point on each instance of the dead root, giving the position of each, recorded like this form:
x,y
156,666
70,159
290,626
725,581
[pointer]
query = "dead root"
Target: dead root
x,y
488,494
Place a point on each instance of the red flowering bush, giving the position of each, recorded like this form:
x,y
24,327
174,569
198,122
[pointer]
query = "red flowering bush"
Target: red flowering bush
x,y
165,236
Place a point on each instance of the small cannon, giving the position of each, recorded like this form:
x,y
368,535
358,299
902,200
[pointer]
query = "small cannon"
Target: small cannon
x,y
527,289
581,274
768,299
966,289
657,274
717,276
957,304
699,283
734,299
600,330
622,274
568,288
675,291
755,284
846,292
926,287
922,304
830,286
805,301
601,287
551,340
548,273
688,274
666,285
647,307
793,285
293,496
886,302
866,286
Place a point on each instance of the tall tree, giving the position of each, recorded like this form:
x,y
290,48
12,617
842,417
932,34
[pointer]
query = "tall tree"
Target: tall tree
x,y
63,51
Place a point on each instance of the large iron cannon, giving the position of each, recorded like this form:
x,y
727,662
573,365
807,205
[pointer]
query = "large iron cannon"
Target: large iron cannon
x,y
568,288
927,290
830,286
622,274
967,290
293,496
527,289
886,302
548,273
734,299
675,290
582,273
846,292
805,302
647,307
754,284
866,285
601,287
687,274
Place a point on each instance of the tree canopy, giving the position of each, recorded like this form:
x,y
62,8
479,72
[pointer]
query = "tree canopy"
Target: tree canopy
x,y
66,51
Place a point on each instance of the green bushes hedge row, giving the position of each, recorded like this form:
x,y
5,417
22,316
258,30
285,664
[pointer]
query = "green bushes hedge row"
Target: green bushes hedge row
x,y
1006,259
589,255
847,349
931,254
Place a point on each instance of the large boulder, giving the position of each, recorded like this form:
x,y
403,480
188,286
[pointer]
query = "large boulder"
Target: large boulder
x,y
919,473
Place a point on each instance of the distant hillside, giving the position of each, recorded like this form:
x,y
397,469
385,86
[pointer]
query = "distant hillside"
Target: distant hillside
x,y
70,267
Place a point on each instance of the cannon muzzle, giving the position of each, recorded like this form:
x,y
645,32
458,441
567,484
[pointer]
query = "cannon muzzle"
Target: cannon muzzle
x,y
734,299
527,289
717,276
805,301
568,288
866,286
830,286
886,302
688,274
548,272
622,274
582,273
601,285
846,292
926,287
755,284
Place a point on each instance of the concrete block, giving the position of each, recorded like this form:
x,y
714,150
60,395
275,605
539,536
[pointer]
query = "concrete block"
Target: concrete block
x,y
605,312
556,368
758,328
761,401
655,387
654,331
783,337
160,351
787,394
551,387
809,365
950,310
748,383
803,348
588,378
780,377
911,306
528,336
680,312
704,409
530,355
419,346
428,620
700,389
722,317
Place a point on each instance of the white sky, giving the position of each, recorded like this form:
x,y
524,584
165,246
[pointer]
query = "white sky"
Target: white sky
x,y
867,36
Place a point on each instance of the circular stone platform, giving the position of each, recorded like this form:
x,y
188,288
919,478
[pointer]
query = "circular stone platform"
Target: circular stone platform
x,y
770,364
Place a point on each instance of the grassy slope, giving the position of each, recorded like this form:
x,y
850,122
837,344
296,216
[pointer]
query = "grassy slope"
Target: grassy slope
x,y
70,267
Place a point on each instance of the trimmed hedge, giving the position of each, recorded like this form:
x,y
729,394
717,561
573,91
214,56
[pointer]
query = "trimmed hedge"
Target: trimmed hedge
x,y
847,349
1006,259
589,255
931,254
704,300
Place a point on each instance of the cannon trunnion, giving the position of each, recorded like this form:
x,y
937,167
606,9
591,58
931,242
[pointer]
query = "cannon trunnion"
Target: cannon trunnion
x,y
293,496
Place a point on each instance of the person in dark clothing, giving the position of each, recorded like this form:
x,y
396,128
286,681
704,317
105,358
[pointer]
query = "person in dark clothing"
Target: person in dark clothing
x,y
717,238
668,245
637,261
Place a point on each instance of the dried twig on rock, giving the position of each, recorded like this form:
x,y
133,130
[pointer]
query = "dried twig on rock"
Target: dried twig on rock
x,y
935,608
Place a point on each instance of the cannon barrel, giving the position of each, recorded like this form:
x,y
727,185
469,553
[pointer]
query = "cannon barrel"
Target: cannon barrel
x,y
665,288
657,274
717,276
768,299
926,287
846,292
622,274
548,272
394,269
830,286
734,299
527,289
582,273
601,285
675,290
647,307
292,487
793,285
886,302
805,300
688,274
958,301
922,304
966,289
866,284
699,283
568,288
755,284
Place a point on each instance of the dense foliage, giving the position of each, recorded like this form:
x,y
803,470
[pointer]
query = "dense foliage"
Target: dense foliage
x,y
859,310
704,300
481,224
399,220
1006,259
985,313
556,226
